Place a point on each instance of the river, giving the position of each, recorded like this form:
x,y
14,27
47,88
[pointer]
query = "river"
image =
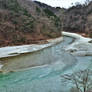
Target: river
x,y
52,62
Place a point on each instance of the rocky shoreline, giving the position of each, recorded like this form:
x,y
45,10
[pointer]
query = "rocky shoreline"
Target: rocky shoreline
x,y
11,51
82,46
16,50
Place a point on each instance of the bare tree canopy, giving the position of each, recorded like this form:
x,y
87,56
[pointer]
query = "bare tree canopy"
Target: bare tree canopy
x,y
81,81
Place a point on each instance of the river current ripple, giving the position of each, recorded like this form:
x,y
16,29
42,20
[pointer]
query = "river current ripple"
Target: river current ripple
x,y
45,78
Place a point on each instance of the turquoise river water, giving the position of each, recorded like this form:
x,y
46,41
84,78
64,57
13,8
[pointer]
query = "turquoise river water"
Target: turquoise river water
x,y
47,76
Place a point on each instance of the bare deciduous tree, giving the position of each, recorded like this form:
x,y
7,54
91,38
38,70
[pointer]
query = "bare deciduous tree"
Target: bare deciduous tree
x,y
87,2
81,81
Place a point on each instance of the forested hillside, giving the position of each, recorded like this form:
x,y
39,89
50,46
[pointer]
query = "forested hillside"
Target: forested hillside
x,y
79,19
25,22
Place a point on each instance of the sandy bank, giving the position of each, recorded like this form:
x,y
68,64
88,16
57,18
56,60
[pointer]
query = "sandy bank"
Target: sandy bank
x,y
10,51
79,47
16,50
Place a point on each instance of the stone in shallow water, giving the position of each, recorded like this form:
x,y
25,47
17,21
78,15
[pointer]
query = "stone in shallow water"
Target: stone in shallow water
x,y
1,71
90,41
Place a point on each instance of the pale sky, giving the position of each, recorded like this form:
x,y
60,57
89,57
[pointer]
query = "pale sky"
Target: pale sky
x,y
60,3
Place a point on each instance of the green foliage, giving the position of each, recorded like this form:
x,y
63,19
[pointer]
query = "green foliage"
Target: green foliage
x,y
58,8
14,22
49,13
19,25
90,35
89,12
23,23
15,7
55,19
57,22
26,13
18,39
12,5
52,33
38,10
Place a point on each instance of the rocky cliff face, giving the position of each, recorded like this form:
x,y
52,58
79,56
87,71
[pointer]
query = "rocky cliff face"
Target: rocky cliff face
x,y
25,22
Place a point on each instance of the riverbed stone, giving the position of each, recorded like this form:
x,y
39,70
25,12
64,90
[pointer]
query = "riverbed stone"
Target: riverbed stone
x,y
90,41
1,71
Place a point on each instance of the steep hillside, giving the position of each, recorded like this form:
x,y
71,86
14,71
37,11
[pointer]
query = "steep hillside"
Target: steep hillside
x,y
25,22
79,19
